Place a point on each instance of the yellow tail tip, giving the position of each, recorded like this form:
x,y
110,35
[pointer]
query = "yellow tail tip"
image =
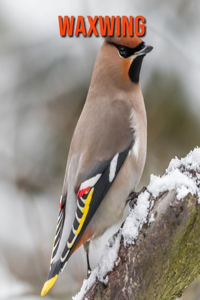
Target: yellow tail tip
x,y
48,284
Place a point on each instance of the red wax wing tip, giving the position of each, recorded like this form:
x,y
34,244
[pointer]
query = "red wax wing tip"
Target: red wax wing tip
x,y
60,206
82,192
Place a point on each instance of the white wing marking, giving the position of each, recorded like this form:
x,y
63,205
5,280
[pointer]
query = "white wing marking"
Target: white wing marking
x,y
113,167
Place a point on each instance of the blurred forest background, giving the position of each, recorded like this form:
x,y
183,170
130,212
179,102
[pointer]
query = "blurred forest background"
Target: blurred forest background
x,y
43,85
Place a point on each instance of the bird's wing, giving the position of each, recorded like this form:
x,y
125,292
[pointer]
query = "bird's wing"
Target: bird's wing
x,y
90,194
103,139
103,136
59,227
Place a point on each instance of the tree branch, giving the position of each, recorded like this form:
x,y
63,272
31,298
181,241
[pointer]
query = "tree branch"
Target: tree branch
x,y
163,258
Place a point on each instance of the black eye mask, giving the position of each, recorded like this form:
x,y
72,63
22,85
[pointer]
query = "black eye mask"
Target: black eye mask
x,y
126,52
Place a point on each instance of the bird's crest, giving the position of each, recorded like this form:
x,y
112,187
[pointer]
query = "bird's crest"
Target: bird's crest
x,y
128,41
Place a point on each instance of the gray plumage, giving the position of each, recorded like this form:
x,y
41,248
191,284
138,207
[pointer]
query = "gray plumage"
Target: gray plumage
x,y
113,117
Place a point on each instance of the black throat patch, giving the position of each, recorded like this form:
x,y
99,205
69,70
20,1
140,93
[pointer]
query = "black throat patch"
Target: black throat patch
x,y
134,71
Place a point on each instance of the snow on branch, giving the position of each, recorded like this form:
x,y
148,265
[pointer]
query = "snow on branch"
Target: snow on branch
x,y
148,242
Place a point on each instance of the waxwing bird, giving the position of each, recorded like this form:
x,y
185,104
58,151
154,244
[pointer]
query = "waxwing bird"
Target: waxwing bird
x,y
107,152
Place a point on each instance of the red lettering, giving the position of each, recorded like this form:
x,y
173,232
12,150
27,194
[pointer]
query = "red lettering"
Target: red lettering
x,y
127,27
92,26
140,29
66,26
80,26
107,26
118,26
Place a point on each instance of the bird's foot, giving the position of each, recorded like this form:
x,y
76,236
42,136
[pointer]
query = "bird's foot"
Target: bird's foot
x,y
132,198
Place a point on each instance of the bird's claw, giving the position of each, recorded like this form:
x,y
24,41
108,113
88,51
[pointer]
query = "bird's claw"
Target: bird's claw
x,y
132,198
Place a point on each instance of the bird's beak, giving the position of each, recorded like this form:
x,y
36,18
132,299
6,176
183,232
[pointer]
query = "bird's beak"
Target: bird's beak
x,y
144,50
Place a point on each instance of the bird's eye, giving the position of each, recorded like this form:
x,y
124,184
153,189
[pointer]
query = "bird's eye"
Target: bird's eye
x,y
122,51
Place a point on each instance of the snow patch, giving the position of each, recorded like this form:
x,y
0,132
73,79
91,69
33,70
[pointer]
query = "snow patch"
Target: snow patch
x,y
179,176
174,180
105,265
117,261
136,218
152,219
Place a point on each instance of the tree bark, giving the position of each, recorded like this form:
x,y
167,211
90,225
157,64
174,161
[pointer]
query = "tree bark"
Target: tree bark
x,y
165,258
